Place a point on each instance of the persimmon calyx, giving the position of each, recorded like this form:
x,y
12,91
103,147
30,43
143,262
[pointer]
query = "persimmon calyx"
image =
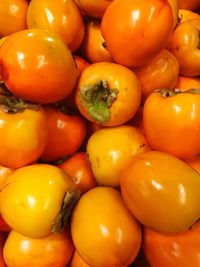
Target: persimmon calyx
x,y
169,92
98,98
13,104
62,219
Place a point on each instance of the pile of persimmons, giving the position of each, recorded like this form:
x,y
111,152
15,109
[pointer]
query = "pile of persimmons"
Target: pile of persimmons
x,y
100,133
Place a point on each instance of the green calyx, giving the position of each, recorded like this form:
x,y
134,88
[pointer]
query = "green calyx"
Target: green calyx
x,y
98,98
62,219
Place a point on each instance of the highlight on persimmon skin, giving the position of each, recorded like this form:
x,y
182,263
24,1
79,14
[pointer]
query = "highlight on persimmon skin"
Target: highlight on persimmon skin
x,y
61,17
135,31
66,134
43,71
161,72
108,93
172,250
79,169
52,250
13,15
184,44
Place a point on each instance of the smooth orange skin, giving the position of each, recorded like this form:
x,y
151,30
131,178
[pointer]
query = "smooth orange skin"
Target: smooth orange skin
x,y
77,261
169,122
135,31
185,15
118,77
161,72
172,250
65,134
93,8
93,43
79,169
175,8
189,4
186,83
81,64
23,137
184,44
12,16
37,66
162,192
111,149
53,250
61,17
33,197
108,235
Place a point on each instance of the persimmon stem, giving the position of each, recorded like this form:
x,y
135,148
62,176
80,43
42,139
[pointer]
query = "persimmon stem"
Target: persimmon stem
x,y
13,104
168,93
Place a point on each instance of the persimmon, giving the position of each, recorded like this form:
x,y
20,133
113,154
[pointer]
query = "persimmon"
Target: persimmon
x,y
172,250
108,93
53,250
65,134
135,31
37,66
170,117
78,167
93,46
184,44
185,15
161,72
12,16
61,17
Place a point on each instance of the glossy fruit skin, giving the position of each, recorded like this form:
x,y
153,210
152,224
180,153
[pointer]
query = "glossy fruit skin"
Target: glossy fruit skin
x,y
185,15
169,121
93,46
37,66
81,64
110,238
65,134
77,261
53,250
186,83
184,44
61,17
23,135
161,72
33,198
110,150
175,9
135,31
161,191
12,16
78,167
93,8
173,250
118,78
188,4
